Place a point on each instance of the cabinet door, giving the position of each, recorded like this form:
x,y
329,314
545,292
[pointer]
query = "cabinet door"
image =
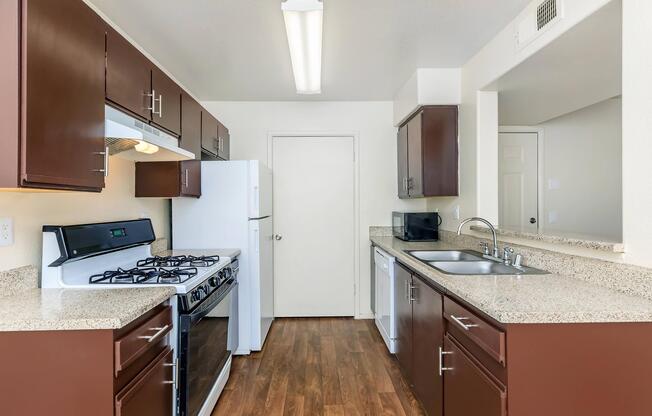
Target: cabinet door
x,y
402,163
428,333
63,96
403,309
440,155
224,139
190,125
468,390
191,178
128,76
167,102
415,156
150,393
209,142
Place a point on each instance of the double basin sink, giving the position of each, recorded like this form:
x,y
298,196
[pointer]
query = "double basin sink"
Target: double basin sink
x,y
468,262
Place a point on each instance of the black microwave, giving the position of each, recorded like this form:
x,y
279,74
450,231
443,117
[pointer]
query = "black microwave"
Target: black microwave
x,y
416,226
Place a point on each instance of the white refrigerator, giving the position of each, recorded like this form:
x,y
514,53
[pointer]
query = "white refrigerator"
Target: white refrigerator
x,y
235,211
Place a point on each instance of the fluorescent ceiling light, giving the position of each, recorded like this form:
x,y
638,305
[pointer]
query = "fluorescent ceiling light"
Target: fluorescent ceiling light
x,y
303,24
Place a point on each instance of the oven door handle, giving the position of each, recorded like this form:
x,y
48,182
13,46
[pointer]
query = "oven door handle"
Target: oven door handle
x,y
208,305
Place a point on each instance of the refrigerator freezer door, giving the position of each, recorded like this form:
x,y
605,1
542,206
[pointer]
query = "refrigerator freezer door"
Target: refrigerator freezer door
x,y
260,197
262,279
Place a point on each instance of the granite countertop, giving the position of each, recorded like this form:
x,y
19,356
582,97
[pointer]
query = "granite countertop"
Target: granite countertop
x,y
78,309
224,252
551,298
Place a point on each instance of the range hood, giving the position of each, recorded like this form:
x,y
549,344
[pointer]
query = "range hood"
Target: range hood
x,y
129,138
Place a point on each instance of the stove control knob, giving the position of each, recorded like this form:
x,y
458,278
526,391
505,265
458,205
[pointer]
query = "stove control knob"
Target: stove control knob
x,y
213,281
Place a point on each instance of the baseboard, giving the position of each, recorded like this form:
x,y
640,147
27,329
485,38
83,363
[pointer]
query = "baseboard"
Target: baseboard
x,y
365,316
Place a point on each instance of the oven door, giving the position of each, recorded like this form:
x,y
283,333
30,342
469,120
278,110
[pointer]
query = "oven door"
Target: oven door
x,y
208,335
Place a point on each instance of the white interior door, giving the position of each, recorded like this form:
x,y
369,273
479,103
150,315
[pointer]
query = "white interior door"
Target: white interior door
x,y
518,183
314,219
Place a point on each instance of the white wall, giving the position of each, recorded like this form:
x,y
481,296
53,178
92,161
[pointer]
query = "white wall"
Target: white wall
x,y
31,210
477,144
250,123
637,129
427,86
582,173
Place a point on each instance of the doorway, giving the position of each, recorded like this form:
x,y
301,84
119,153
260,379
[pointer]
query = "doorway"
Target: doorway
x,y
518,185
314,226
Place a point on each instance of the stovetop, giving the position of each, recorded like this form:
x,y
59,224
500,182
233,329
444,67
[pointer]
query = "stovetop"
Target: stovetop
x,y
185,272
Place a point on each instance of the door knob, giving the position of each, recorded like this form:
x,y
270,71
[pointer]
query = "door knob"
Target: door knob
x,y
533,220
278,237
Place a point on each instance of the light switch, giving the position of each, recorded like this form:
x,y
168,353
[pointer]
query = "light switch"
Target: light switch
x,y
6,232
456,212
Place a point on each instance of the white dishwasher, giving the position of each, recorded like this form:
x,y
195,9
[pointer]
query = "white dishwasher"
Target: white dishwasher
x,y
385,315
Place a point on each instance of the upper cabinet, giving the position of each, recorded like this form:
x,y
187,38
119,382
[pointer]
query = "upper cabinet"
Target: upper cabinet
x,y
190,125
134,84
166,109
55,113
223,142
128,76
428,153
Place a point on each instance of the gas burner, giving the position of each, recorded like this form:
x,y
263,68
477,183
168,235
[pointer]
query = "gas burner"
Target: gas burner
x,y
179,261
148,275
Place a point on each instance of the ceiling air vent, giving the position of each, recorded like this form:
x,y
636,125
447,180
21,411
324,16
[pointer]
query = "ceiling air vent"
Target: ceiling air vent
x,y
536,20
546,12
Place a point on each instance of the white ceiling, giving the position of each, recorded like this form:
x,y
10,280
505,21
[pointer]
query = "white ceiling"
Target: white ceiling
x,y
580,68
237,49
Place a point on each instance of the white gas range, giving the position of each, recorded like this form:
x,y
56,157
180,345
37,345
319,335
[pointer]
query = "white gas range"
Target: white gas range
x,y
118,254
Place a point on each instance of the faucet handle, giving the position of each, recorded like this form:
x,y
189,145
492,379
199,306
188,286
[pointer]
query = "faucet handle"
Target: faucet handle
x,y
507,254
485,248
517,260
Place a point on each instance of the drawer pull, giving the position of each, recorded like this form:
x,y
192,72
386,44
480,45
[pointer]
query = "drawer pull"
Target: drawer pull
x,y
466,327
441,361
159,332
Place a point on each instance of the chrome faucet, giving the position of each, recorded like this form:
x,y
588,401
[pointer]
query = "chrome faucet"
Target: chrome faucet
x,y
488,224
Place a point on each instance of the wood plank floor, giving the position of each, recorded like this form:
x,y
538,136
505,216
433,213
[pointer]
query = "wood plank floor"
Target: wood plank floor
x,y
318,366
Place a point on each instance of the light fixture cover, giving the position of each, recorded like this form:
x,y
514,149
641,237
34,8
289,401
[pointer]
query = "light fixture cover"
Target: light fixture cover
x,y
303,24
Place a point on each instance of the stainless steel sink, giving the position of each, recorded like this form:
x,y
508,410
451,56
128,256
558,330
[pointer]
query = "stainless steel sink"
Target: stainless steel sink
x,y
445,255
468,262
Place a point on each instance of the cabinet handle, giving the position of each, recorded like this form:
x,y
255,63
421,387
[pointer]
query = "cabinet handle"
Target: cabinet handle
x,y
405,185
186,177
152,101
409,182
466,327
160,105
411,293
105,154
441,361
175,379
216,144
407,284
152,338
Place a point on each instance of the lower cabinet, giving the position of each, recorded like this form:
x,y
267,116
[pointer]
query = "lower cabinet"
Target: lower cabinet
x,y
420,328
104,372
469,389
168,179
403,309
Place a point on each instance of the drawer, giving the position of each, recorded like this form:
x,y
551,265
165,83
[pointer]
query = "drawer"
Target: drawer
x,y
132,345
487,337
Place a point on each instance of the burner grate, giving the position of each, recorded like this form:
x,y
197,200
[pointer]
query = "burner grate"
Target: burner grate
x,y
179,261
147,275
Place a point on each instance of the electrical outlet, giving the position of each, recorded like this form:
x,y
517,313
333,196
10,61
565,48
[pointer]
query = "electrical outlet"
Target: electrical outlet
x,y
456,212
6,232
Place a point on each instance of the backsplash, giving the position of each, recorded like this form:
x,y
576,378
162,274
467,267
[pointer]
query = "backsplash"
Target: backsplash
x,y
31,210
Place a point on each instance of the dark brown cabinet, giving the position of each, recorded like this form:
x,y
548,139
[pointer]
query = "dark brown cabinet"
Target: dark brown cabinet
x,y
223,142
128,76
149,393
209,134
104,372
427,333
469,389
403,308
190,125
420,331
427,153
168,179
135,84
166,112
56,139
